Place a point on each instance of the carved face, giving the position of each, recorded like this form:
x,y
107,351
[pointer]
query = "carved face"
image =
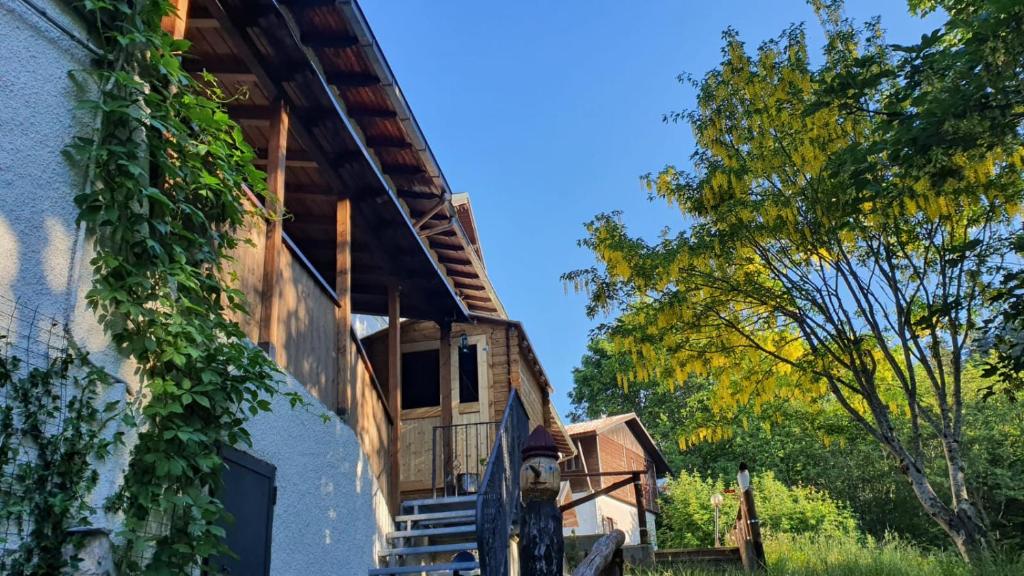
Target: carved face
x,y
540,476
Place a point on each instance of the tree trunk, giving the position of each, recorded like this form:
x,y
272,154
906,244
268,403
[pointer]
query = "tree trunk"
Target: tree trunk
x,y
962,523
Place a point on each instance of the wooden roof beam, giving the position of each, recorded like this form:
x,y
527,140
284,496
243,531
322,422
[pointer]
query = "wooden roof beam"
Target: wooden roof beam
x,y
352,80
320,40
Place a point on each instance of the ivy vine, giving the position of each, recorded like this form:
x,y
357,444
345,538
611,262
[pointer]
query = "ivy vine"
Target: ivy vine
x,y
165,203
48,448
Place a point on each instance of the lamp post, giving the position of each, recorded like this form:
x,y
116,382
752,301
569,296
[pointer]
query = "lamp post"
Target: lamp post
x,y
716,502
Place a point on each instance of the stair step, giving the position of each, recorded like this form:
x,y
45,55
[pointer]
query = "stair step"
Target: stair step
x,y
431,516
431,549
444,501
449,567
446,531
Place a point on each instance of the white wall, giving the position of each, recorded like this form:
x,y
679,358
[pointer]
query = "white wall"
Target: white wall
x,y
330,515
328,501
591,516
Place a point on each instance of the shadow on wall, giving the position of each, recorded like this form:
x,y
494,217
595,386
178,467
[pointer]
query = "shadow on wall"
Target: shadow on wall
x,y
37,185
325,519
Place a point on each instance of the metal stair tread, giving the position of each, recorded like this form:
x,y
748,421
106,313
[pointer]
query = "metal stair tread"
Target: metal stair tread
x,y
448,567
445,531
430,549
428,516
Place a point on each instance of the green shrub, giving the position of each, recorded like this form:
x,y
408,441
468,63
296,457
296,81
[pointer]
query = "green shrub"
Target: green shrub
x,y
837,555
687,518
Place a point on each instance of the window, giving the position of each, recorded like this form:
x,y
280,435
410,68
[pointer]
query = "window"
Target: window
x,y
469,376
421,379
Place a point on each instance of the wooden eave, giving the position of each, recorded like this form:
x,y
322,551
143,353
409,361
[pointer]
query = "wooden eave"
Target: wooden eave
x,y
258,53
337,35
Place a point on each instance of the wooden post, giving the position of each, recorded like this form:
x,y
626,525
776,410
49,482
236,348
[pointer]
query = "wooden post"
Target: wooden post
x,y
343,289
174,24
276,156
445,379
756,545
541,545
395,389
641,510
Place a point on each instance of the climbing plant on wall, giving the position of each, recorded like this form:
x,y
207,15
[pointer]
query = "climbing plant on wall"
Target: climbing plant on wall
x,y
166,196
52,431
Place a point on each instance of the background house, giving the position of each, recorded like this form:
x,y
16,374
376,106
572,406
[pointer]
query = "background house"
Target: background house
x,y
612,444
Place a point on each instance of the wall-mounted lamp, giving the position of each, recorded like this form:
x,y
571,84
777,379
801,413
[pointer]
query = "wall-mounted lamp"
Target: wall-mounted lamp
x,y
463,343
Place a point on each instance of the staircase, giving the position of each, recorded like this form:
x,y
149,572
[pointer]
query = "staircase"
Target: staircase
x,y
430,534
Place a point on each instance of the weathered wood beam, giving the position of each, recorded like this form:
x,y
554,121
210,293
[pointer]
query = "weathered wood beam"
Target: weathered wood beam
x,y
441,203
594,495
343,289
395,389
352,79
331,41
416,194
277,153
360,113
446,379
393,143
641,509
175,24
296,159
426,232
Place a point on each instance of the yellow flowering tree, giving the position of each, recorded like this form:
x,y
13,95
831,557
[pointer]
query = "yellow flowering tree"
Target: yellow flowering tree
x,y
813,265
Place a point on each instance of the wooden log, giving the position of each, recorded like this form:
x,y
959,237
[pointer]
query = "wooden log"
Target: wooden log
x,y
602,556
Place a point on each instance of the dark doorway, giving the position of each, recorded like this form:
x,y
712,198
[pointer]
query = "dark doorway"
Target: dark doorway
x,y
249,495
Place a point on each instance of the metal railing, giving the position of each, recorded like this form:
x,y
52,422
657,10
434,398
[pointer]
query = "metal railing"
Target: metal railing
x,y
459,454
499,504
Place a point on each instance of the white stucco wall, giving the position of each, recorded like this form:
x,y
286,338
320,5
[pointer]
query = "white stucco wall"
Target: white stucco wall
x,y
591,519
330,515
328,503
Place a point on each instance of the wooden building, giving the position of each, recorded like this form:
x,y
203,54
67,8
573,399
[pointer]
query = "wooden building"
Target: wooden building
x,y
603,447
365,225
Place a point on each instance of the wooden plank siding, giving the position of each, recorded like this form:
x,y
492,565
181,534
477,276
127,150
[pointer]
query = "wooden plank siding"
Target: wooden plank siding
x,y
306,345
618,450
306,333
416,434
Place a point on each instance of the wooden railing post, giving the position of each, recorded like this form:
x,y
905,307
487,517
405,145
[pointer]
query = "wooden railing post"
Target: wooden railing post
x,y
641,510
277,150
541,545
747,532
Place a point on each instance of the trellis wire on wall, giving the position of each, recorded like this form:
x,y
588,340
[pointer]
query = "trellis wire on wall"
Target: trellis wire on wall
x,y
35,339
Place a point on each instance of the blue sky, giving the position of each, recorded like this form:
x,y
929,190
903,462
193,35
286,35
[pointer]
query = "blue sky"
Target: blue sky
x,y
548,112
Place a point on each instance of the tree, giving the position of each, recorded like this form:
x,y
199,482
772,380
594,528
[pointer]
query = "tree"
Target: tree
x,y
814,264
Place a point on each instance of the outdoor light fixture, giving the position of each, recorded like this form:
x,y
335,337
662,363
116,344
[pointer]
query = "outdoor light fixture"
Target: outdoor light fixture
x,y
716,502
463,343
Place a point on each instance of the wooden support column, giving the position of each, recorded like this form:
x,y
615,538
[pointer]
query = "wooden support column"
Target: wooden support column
x,y
395,390
446,379
343,289
174,24
641,509
277,152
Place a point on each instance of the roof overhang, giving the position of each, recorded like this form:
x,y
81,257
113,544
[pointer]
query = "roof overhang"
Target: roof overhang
x,y
260,54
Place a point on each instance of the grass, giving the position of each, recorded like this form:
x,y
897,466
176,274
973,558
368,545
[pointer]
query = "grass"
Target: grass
x,y
802,556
